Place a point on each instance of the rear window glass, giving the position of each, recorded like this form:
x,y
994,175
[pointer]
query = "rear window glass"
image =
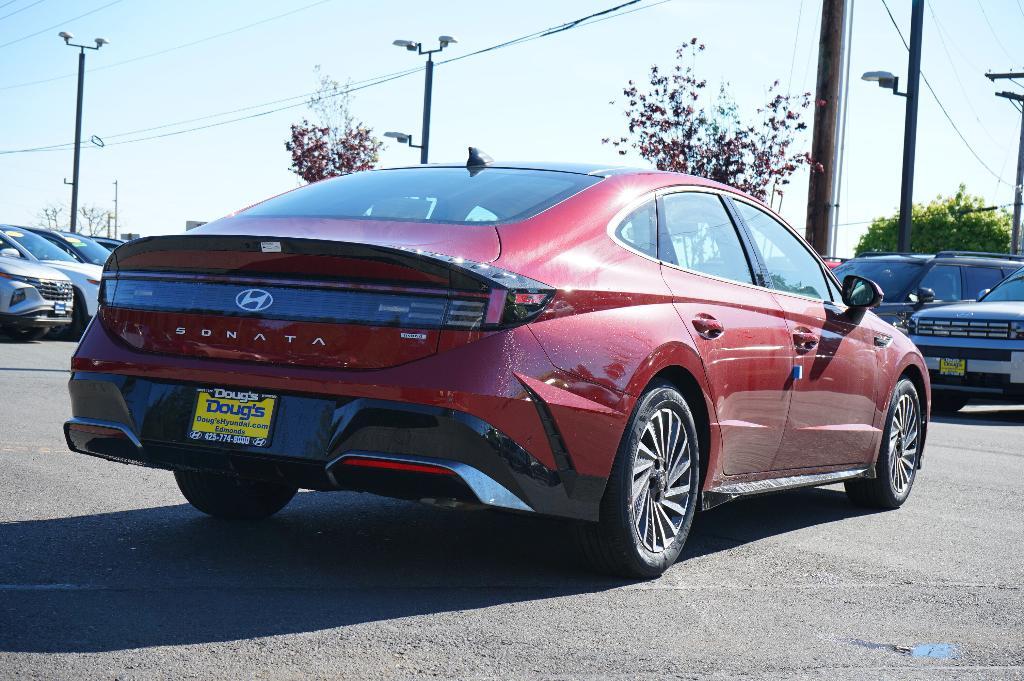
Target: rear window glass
x,y
452,195
894,276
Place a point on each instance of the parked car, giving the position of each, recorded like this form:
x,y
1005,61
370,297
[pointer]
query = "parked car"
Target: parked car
x,y
975,350
107,242
618,347
34,298
85,277
914,282
81,248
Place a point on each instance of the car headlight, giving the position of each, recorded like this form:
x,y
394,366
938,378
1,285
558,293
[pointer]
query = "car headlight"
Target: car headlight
x,y
1017,329
17,297
911,325
15,277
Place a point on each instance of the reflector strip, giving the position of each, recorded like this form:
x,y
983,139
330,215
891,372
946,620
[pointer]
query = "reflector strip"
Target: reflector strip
x,y
396,466
97,430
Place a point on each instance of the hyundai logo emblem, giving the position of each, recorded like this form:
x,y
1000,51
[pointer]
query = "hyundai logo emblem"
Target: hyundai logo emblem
x,y
254,299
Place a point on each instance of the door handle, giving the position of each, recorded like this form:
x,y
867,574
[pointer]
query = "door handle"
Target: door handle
x,y
707,326
804,339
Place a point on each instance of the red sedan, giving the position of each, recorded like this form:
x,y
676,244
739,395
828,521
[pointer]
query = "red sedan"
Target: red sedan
x,y
620,347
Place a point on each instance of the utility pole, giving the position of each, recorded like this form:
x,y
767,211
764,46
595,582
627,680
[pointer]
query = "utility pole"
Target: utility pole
x,y
100,42
1017,188
826,117
910,126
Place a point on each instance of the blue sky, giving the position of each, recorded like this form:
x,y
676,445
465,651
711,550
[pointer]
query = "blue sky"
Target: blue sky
x,y
544,100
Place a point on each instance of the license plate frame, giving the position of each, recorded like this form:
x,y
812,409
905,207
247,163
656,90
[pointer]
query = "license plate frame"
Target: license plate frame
x,y
949,366
236,426
60,308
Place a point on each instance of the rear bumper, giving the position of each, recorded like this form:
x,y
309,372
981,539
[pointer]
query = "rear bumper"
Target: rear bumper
x,y
145,422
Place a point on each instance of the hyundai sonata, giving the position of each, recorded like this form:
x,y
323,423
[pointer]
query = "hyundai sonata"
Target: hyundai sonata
x,y
618,347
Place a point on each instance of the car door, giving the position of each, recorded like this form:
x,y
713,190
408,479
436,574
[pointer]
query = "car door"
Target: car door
x,y
832,411
738,327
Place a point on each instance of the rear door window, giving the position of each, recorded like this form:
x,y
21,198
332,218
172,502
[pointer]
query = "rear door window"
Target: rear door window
x,y
977,279
698,234
945,281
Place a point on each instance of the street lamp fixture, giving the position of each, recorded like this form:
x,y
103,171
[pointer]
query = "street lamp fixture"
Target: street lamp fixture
x,y
100,42
428,85
403,138
885,80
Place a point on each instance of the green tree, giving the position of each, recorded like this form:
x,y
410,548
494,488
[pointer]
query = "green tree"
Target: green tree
x,y
961,223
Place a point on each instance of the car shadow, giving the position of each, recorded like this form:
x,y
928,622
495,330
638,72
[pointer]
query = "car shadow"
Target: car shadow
x,y
980,414
171,576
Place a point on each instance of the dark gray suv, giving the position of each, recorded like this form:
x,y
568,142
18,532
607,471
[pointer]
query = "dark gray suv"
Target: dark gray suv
x,y
913,282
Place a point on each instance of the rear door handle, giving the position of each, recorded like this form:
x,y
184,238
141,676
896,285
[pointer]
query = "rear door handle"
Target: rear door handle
x,y
707,326
804,339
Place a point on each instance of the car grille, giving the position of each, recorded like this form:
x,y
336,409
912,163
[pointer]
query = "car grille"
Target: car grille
x,y
961,328
51,289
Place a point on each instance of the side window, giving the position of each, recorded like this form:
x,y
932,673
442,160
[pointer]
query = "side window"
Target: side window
x,y
698,234
639,229
790,264
977,279
944,280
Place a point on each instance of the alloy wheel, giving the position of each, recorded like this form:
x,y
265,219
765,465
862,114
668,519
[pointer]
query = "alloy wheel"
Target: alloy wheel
x,y
661,493
904,443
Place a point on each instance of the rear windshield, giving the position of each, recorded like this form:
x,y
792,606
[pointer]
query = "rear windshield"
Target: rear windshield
x,y
451,195
894,276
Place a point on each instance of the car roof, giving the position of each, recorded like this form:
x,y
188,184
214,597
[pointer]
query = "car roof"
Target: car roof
x,y
962,257
595,169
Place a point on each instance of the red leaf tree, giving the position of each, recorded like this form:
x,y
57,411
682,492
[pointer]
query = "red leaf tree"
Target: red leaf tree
x,y
670,126
336,144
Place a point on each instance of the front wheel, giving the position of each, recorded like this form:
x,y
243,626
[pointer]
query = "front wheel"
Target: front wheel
x,y
898,456
232,498
648,506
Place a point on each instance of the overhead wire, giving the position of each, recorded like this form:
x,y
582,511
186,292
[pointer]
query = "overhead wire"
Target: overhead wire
x,y
169,49
942,107
22,9
58,25
351,87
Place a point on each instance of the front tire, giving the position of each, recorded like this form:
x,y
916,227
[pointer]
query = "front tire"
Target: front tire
x,y
899,455
232,498
652,492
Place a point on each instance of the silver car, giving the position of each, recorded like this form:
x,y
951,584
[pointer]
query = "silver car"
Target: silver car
x,y
975,350
34,298
84,277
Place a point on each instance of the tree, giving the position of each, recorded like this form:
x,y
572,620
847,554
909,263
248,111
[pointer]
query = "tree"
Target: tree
x,y
51,216
92,220
335,143
960,222
669,126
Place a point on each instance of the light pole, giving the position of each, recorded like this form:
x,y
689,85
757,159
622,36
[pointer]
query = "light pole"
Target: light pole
x,y
889,81
100,42
403,138
428,86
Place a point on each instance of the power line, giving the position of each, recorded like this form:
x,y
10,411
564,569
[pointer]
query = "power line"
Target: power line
x,y
18,10
941,106
796,41
50,28
169,49
993,32
956,74
360,85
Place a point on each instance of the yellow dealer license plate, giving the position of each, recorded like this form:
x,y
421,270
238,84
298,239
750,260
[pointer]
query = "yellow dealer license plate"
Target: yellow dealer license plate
x,y
233,417
952,367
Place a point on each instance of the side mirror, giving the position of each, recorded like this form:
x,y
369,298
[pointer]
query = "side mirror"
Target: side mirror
x,y
10,252
861,293
925,295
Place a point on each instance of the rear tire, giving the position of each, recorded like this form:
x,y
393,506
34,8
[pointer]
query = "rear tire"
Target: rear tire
x,y
898,456
25,335
652,492
232,498
948,403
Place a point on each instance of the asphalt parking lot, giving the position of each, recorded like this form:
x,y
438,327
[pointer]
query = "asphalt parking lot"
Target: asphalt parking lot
x,y
106,572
